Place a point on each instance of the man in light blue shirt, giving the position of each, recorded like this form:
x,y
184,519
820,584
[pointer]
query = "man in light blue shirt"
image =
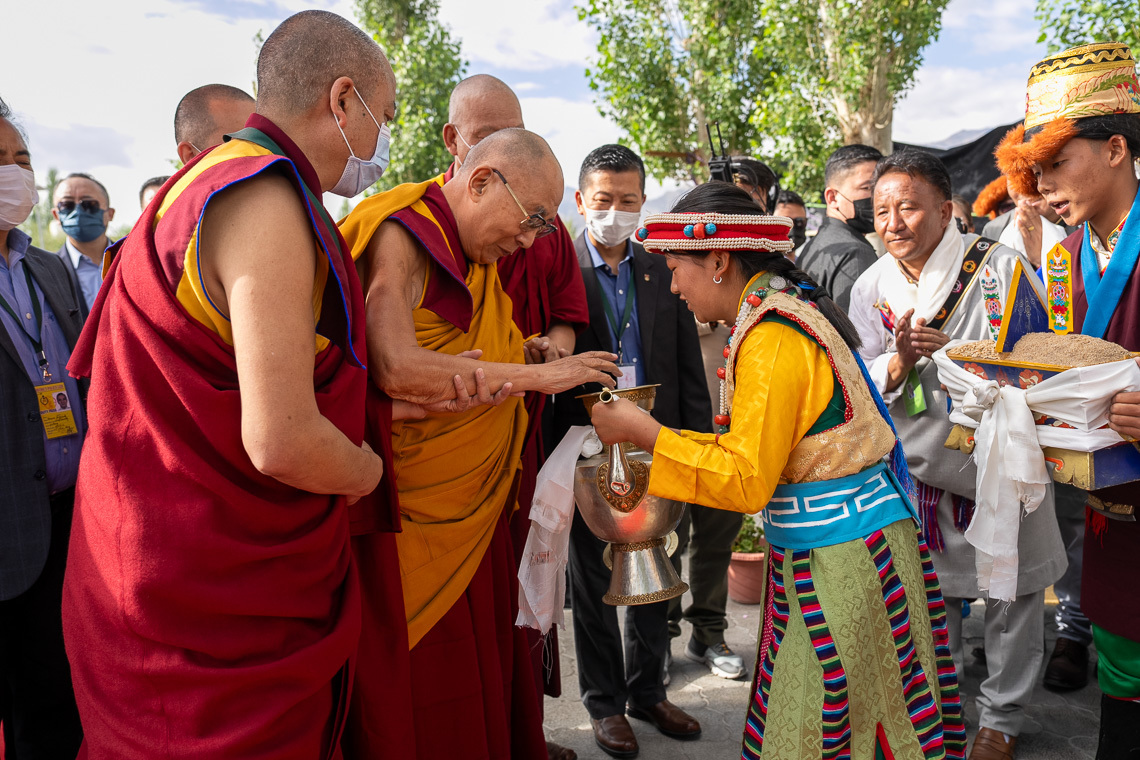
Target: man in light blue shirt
x,y
83,209
619,299
41,431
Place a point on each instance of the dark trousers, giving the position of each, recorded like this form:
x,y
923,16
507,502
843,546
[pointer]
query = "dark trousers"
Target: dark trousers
x,y
37,704
710,533
606,680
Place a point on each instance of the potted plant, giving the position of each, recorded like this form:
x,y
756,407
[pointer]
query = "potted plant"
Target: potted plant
x,y
746,571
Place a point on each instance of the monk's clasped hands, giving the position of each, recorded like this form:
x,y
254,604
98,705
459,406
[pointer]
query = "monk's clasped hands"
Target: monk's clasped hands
x,y
542,350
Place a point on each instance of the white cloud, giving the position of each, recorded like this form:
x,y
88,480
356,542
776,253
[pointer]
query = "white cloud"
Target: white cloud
x,y
535,35
946,100
1007,25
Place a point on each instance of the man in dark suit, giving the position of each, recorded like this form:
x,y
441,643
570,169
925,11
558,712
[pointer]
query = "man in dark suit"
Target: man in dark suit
x,y
83,208
633,314
839,252
40,438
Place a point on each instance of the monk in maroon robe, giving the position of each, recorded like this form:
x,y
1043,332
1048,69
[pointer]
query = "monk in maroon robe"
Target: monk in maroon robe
x,y
437,314
549,298
211,605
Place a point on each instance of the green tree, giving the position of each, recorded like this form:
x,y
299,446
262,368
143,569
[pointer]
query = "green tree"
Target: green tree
x,y
792,79
38,223
1069,23
428,65
665,68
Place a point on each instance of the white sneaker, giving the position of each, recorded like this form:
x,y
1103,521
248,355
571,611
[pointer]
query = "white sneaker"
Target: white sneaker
x,y
721,660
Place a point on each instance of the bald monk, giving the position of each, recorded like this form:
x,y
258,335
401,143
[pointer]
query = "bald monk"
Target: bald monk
x,y
206,114
549,306
211,608
429,252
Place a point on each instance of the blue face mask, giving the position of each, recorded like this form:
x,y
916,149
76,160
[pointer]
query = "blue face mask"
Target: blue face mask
x,y
83,226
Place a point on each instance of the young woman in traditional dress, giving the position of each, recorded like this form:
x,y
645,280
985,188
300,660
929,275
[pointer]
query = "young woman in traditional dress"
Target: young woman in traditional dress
x,y
853,658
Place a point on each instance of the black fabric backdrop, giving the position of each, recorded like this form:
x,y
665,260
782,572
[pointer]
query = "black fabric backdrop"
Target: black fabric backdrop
x,y
972,165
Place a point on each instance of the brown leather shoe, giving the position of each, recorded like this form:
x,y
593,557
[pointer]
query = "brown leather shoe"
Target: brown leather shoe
x,y
615,736
1068,667
991,745
669,719
558,752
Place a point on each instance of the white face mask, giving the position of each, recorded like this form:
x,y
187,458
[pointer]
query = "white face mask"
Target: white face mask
x,y
459,160
612,228
17,194
359,174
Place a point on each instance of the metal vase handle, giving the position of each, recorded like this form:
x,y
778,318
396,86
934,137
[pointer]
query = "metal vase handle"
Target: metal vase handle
x,y
620,481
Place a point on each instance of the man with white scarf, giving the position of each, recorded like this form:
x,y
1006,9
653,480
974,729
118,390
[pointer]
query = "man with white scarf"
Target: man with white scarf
x,y
937,285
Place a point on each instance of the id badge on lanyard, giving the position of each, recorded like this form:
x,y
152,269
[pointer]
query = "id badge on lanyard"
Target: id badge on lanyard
x,y
628,370
56,414
628,377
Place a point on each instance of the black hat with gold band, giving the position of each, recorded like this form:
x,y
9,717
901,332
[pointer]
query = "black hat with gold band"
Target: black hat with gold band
x,y
1064,91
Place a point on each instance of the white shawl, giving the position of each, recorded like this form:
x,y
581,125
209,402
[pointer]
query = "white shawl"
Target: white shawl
x,y
934,282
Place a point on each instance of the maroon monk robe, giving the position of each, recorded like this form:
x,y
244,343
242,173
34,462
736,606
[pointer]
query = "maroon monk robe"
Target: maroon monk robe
x,y
473,691
209,610
545,285
1111,546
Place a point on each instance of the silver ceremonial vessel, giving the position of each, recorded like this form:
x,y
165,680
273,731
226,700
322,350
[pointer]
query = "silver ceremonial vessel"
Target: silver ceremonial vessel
x,y
610,490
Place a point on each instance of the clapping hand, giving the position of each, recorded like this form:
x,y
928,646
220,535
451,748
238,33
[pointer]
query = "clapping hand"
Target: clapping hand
x,y
915,342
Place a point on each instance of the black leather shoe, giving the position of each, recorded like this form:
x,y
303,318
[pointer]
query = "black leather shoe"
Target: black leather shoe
x,y
669,719
615,736
1068,667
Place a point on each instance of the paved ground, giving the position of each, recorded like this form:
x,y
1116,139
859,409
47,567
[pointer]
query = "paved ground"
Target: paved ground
x,y
1062,726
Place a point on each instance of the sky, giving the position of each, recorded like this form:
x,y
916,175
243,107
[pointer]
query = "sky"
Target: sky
x,y
101,97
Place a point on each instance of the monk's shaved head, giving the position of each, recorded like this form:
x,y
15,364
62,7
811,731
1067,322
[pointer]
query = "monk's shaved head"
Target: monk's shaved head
x,y
478,93
197,116
521,152
307,53
508,179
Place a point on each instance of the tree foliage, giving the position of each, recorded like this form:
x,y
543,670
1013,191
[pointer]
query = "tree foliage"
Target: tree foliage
x,y
428,65
789,80
1069,23
38,225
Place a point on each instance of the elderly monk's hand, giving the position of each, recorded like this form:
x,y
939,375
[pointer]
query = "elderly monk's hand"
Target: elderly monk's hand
x,y
622,420
1124,414
572,371
405,410
542,349
378,472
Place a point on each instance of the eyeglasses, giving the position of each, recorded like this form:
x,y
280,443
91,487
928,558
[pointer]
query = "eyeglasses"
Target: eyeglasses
x,y
799,222
533,221
90,206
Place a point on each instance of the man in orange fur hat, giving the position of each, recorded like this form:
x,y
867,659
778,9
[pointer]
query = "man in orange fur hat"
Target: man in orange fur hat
x,y
1080,150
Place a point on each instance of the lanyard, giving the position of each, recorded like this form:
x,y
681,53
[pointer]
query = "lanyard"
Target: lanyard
x,y
611,315
36,344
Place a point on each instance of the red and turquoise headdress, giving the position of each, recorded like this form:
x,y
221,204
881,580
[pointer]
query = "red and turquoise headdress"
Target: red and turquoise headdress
x,y
679,232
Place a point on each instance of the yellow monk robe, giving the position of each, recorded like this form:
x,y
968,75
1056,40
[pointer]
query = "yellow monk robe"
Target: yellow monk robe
x,y
455,473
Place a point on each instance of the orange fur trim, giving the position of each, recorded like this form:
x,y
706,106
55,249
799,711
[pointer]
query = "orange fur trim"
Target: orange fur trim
x,y
1016,155
991,197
